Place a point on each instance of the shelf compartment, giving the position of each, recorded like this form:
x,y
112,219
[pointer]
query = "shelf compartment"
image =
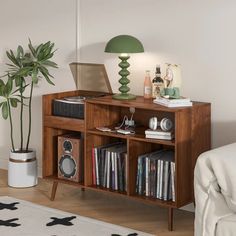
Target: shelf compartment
x,y
50,136
50,147
111,115
91,141
136,148
139,136
64,122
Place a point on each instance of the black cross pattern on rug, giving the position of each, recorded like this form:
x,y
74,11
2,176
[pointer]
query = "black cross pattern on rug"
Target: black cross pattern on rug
x,y
10,206
61,221
134,234
9,223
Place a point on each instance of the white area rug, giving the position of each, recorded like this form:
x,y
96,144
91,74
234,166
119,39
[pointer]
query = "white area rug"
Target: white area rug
x,y
22,218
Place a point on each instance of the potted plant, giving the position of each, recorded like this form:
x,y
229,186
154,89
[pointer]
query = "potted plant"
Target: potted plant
x,y
24,71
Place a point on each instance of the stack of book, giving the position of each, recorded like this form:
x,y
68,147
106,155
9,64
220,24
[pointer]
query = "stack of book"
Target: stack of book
x,y
109,166
181,102
156,175
159,134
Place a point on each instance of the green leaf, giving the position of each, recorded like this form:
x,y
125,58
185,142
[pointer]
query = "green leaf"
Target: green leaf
x,y
12,59
20,51
5,110
8,87
11,65
2,87
33,51
14,102
38,49
45,75
24,72
35,75
15,61
17,81
50,63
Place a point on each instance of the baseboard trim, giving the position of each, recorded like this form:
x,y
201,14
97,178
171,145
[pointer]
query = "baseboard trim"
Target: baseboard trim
x,y
189,207
4,164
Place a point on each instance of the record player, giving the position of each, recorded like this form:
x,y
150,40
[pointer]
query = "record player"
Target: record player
x,y
88,77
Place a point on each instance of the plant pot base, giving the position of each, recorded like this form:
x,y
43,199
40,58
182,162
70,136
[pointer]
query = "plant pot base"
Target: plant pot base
x,y
22,170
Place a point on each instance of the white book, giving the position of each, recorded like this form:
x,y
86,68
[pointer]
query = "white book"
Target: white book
x,y
189,104
172,101
158,132
113,170
173,180
163,137
116,170
96,165
161,179
126,171
108,168
183,104
147,176
165,183
158,177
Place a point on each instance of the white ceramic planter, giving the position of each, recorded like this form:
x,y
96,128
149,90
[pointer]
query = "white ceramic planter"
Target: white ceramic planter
x,y
22,170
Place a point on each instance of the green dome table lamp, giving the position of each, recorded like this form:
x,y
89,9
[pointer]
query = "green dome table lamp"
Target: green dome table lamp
x,y
124,44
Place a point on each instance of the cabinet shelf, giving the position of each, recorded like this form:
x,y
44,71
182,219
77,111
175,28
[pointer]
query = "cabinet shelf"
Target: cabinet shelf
x,y
136,136
102,189
63,123
154,201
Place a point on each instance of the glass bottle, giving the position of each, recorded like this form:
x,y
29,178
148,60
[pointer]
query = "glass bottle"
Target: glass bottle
x,y
147,93
157,83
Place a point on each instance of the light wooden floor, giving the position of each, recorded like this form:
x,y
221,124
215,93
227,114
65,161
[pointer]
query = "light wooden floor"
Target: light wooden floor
x,y
112,209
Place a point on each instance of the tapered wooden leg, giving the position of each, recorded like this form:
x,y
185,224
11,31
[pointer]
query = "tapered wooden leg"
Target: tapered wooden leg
x,y
170,219
54,190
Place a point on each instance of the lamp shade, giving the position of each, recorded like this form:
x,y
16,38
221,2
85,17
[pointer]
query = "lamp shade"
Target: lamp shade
x,y
124,44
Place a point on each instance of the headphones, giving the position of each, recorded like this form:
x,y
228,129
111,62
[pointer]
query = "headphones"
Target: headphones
x,y
165,124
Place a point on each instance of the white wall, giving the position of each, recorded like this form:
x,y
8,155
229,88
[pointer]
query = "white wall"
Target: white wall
x,y
42,20
199,35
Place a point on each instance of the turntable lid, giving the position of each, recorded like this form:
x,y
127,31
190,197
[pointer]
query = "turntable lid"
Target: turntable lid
x,y
90,77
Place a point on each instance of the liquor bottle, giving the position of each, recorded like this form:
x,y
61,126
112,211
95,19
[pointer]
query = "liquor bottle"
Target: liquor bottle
x,y
157,83
147,93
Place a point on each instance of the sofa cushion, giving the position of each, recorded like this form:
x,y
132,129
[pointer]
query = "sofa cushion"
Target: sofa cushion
x,y
226,226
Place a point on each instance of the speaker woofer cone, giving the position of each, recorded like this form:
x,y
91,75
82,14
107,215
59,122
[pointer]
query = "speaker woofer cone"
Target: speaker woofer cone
x,y
67,166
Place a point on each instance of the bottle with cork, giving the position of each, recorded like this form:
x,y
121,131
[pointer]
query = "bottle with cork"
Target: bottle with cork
x,y
157,83
147,93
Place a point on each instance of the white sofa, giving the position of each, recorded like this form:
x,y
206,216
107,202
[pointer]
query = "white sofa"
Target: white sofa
x,y
215,192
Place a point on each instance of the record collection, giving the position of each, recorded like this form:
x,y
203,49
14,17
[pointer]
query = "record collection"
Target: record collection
x,y
109,164
156,175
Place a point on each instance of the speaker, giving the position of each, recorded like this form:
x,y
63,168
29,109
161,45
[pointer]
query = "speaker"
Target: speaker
x,y
70,158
